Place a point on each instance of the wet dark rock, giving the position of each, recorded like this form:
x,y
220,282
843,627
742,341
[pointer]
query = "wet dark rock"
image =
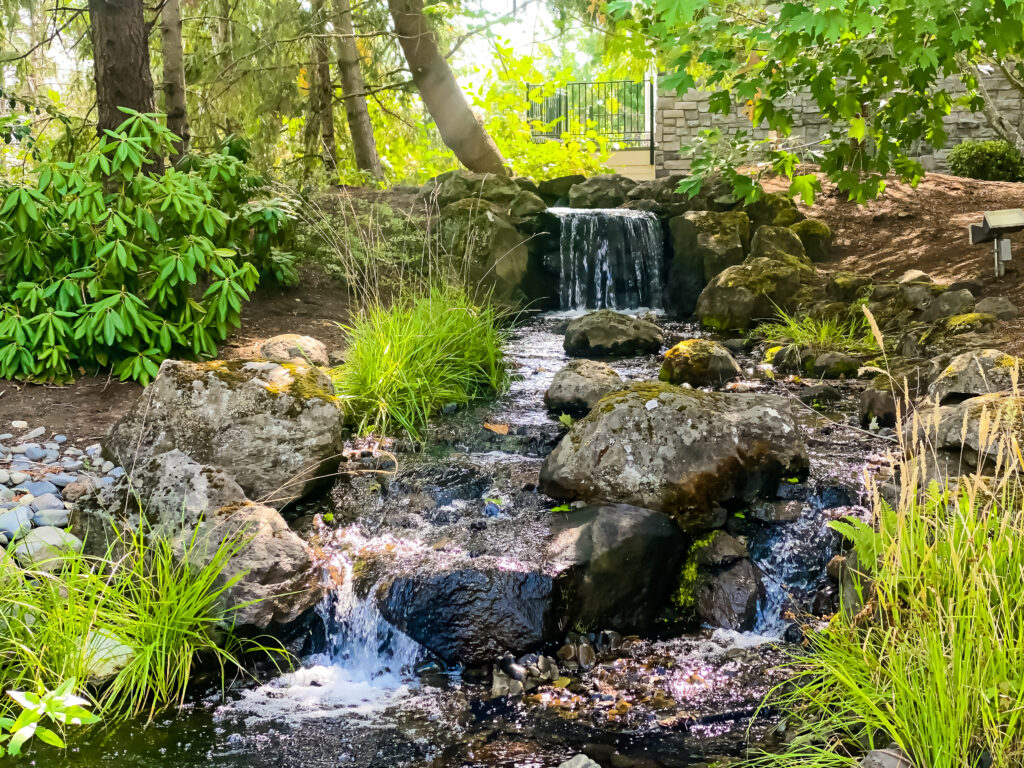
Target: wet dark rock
x,y
847,286
707,242
526,204
579,385
605,190
699,363
722,550
976,287
274,428
612,566
834,365
557,190
776,512
729,597
676,450
819,395
587,657
606,333
793,634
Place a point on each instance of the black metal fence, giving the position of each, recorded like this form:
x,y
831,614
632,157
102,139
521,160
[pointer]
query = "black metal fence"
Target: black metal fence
x,y
620,111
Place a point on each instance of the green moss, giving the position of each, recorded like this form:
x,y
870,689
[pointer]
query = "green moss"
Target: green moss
x,y
684,597
310,383
969,321
771,352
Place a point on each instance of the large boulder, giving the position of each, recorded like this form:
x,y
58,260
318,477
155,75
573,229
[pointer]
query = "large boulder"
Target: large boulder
x,y
608,566
775,210
948,304
663,194
556,190
703,244
999,306
606,190
738,297
676,450
967,431
460,184
699,363
197,507
43,549
273,428
977,372
606,333
781,244
579,385
481,233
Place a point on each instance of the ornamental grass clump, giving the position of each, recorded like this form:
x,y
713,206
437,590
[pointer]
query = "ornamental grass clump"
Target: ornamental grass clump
x,y
852,336
131,626
927,652
408,359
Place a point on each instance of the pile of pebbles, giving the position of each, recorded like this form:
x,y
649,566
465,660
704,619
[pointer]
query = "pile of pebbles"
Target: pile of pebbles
x,y
40,478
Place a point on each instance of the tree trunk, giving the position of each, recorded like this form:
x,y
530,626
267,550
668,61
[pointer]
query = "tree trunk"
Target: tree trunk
x,y
174,75
120,43
320,121
353,90
458,126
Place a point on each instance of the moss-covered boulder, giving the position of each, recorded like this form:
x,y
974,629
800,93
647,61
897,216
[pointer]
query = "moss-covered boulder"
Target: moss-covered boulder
x,y
606,333
833,365
699,363
606,190
776,210
294,348
274,428
781,244
662,194
978,372
494,250
578,386
741,296
816,236
460,184
680,451
948,304
703,244
526,204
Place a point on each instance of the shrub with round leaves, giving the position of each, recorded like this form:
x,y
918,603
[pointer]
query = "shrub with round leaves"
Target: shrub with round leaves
x,y
105,262
986,160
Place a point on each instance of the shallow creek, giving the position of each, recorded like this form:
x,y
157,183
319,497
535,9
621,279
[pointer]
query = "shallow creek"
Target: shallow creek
x,y
365,695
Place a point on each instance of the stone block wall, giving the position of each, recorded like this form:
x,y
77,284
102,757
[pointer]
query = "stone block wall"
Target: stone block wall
x,y
679,119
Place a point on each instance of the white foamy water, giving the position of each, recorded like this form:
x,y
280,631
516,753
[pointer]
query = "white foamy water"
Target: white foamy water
x,y
366,668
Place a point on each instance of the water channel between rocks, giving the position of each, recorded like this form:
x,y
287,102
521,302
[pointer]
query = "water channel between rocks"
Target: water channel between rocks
x,y
365,697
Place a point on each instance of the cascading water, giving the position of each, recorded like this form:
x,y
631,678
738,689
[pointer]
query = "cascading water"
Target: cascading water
x,y
609,258
365,666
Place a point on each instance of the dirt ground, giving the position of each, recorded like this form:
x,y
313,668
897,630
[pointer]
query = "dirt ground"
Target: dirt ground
x,y
923,228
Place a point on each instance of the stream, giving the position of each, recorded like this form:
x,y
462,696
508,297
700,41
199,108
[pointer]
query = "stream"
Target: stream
x,y
367,695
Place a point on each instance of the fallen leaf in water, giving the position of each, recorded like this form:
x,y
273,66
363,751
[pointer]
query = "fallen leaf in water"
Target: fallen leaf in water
x,y
498,429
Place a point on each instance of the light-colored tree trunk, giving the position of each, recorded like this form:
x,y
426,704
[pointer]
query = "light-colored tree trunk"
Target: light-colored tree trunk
x,y
174,75
353,90
459,128
996,119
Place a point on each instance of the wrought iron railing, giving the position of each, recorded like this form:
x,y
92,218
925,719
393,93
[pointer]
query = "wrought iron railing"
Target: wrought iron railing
x,y
619,111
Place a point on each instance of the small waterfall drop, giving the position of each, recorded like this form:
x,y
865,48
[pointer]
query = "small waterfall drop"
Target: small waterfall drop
x,y
365,667
609,258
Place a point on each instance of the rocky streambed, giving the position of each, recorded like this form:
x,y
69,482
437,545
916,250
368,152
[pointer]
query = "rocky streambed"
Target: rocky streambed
x,y
638,639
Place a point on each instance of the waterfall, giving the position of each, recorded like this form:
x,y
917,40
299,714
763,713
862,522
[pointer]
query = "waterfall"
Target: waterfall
x,y
609,257
366,666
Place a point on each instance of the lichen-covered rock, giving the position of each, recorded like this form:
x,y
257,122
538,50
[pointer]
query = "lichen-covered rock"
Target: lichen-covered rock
x,y
948,304
738,297
606,333
847,286
699,363
781,244
526,204
273,428
969,322
1000,306
977,372
816,236
460,184
579,385
295,349
605,190
776,210
676,450
957,429
494,250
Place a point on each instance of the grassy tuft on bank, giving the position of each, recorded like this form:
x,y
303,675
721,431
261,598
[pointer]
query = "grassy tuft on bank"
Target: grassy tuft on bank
x,y
409,358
